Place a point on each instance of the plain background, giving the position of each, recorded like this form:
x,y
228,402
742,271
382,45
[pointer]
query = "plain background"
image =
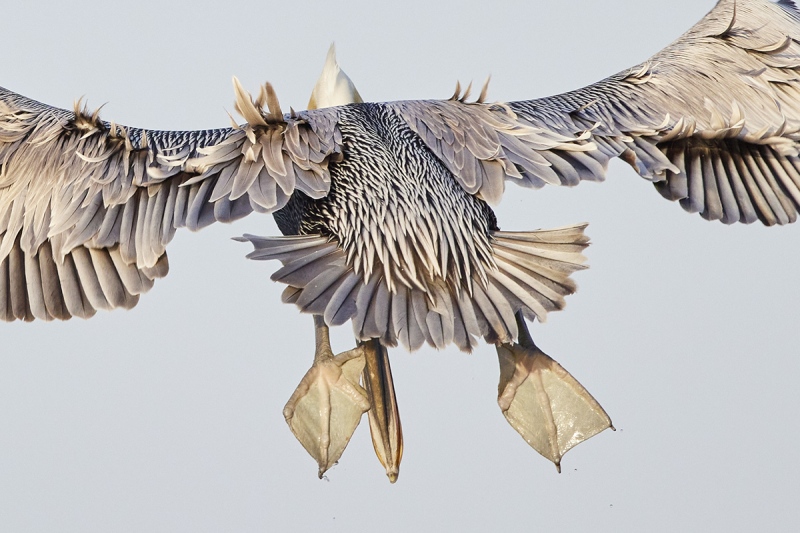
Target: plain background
x,y
168,417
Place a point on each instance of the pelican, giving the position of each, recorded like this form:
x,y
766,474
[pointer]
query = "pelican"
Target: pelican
x,y
386,210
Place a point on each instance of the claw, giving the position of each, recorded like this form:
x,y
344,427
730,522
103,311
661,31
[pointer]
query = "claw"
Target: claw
x,y
543,402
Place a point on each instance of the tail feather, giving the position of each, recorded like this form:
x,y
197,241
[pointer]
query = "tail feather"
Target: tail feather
x,y
531,274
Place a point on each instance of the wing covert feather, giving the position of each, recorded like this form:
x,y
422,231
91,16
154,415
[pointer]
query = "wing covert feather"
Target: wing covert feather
x,y
71,183
713,120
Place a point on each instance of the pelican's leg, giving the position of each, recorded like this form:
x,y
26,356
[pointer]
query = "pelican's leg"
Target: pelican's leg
x,y
384,417
327,405
543,402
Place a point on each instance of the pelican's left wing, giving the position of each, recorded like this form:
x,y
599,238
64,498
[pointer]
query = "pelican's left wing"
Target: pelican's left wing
x,y
87,207
713,120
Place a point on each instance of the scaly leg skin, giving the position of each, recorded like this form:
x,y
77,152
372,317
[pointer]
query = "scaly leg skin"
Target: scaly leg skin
x,y
384,417
327,405
543,402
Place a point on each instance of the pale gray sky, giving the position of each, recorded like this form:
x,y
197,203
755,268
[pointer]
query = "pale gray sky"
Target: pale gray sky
x,y
168,417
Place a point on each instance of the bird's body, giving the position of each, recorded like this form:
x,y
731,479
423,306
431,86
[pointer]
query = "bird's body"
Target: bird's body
x,y
397,213
387,187
386,207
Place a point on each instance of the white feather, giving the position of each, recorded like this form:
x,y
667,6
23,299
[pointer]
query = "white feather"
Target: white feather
x,y
333,87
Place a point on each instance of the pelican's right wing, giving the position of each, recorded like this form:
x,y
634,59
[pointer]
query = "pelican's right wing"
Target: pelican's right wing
x,y
87,207
713,121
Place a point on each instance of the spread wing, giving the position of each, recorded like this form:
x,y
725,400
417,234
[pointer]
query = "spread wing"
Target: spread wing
x,y
713,121
87,207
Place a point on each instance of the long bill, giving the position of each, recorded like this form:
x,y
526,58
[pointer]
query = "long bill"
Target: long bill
x,y
384,416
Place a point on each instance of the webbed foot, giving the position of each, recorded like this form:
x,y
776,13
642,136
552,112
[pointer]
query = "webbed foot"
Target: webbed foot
x,y
327,405
543,402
